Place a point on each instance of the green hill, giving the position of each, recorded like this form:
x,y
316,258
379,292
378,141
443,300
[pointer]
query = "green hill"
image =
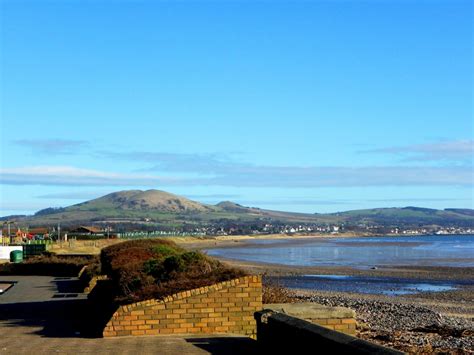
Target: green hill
x,y
165,209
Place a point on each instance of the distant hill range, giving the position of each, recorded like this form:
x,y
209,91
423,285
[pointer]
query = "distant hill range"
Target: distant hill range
x,y
159,207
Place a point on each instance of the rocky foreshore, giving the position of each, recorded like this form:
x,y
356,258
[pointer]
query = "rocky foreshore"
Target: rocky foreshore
x,y
402,323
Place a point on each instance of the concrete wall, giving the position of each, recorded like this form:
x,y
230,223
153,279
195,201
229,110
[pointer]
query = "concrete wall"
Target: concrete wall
x,y
5,251
283,334
335,318
226,307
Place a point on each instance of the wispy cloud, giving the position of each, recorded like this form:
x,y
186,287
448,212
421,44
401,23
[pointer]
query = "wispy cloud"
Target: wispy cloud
x,y
52,146
74,195
222,171
290,201
72,176
456,150
178,162
213,196
416,199
242,175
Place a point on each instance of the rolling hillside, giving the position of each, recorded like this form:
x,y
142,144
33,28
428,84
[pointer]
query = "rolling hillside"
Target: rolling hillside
x,y
163,208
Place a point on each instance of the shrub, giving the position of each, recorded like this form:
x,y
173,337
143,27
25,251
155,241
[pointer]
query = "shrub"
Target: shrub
x,y
154,268
50,265
165,250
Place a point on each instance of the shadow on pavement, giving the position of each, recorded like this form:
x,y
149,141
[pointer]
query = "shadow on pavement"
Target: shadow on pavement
x,y
57,318
226,345
64,313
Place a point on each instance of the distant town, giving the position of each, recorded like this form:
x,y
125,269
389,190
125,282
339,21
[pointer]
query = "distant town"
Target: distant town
x,y
12,233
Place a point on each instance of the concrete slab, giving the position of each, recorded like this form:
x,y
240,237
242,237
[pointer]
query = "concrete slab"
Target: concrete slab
x,y
310,310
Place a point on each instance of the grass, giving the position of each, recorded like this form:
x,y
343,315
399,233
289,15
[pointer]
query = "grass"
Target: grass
x,y
155,268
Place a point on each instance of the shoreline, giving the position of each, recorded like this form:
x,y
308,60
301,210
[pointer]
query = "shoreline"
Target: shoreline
x,y
426,322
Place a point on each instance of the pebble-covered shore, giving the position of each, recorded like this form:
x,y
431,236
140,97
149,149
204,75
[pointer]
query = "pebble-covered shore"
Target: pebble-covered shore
x,y
402,323
422,323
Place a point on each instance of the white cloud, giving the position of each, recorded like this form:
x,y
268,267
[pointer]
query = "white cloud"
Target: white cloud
x,y
455,150
52,146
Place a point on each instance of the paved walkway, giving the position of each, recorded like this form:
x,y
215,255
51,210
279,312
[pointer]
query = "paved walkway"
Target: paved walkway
x,y
41,314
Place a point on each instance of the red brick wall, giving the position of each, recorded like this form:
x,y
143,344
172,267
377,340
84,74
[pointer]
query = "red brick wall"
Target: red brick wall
x,y
226,307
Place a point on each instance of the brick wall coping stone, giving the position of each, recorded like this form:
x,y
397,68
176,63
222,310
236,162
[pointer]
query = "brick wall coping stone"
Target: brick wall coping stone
x,y
310,310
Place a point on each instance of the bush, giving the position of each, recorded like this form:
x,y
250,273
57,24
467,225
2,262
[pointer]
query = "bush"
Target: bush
x,y
154,268
47,265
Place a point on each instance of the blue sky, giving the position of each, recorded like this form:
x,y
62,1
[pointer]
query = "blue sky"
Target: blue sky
x,y
312,106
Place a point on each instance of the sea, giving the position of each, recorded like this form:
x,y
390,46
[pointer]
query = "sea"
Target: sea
x,y
361,253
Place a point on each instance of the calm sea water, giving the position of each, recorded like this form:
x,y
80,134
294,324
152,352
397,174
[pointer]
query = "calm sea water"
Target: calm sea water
x,y
446,250
391,286
362,253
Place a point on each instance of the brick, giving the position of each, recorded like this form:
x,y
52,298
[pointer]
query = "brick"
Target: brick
x,y
131,327
215,315
152,331
207,329
172,316
340,326
207,310
166,331
138,322
194,330
214,324
124,333
188,315
179,311
333,321
172,306
320,321
152,321
249,309
138,332
222,329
